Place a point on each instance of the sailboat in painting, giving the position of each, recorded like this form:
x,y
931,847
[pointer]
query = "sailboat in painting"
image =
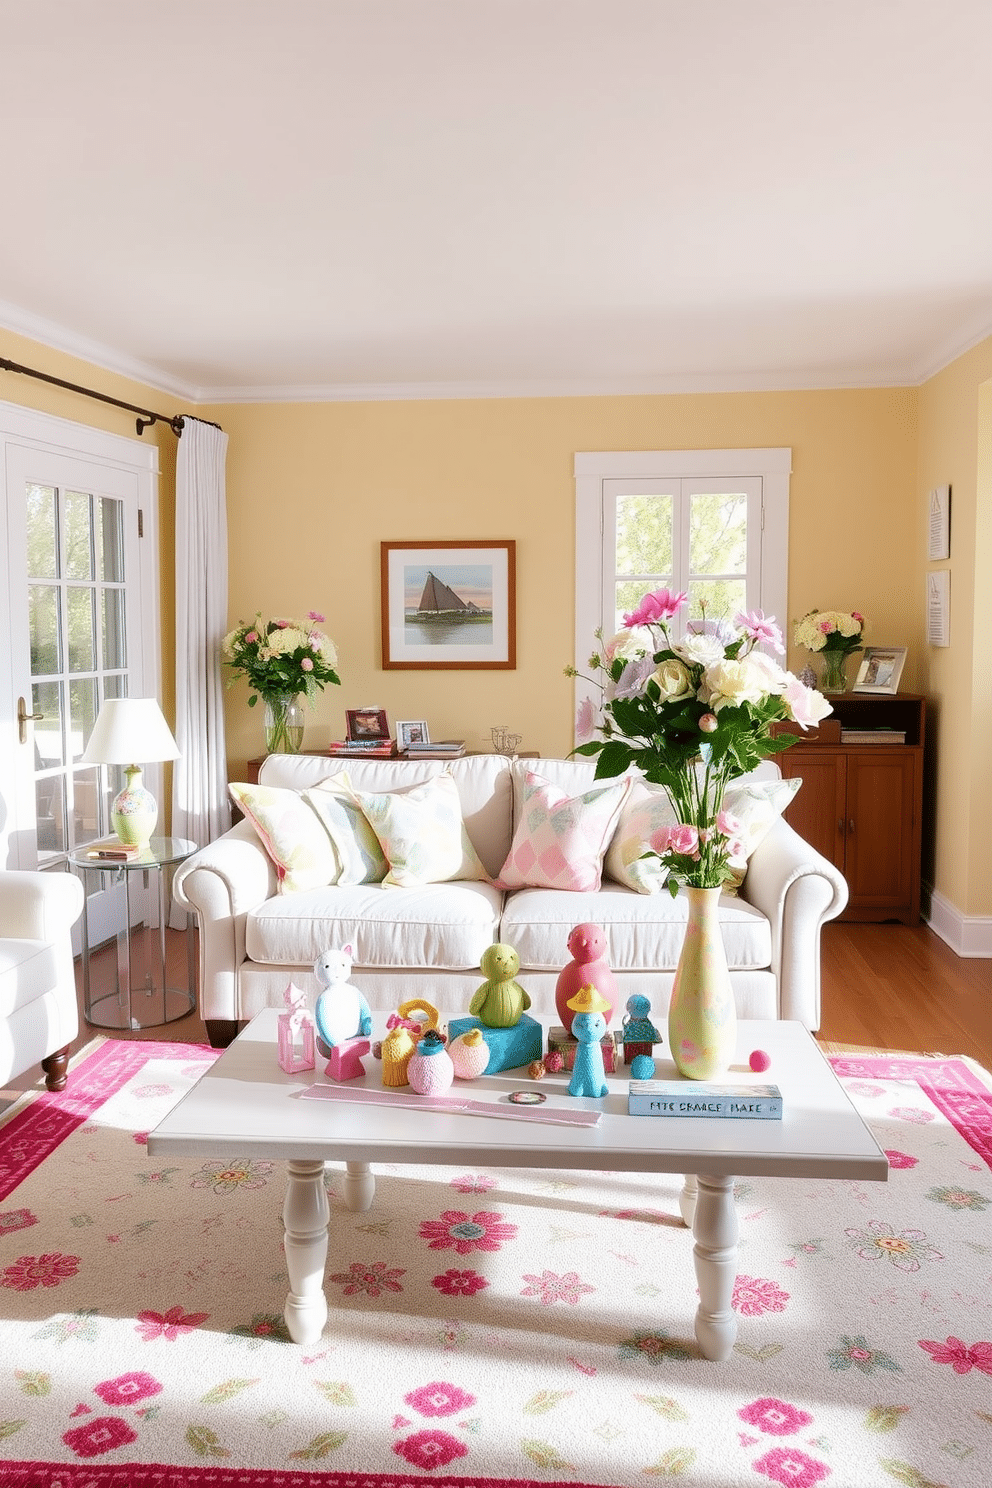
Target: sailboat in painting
x,y
440,602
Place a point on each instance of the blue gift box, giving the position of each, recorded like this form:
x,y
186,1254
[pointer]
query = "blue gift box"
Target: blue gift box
x,y
509,1048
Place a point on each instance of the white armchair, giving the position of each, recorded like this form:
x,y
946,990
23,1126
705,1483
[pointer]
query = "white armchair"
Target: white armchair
x,y
39,1015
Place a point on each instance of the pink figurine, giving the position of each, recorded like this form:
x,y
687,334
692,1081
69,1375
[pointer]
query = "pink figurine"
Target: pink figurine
x,y
588,968
296,1041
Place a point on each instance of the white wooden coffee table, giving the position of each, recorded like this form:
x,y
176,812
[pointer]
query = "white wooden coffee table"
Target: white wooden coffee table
x,y
245,1106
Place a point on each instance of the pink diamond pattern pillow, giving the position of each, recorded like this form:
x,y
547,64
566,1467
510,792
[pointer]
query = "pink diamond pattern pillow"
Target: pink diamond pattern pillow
x,y
560,840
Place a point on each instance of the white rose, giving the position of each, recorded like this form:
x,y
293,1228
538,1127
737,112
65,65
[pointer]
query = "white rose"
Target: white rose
x,y
629,645
774,678
728,684
285,642
699,649
674,681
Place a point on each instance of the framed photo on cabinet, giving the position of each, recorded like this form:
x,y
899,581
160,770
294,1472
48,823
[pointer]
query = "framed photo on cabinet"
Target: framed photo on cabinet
x,y
880,669
448,605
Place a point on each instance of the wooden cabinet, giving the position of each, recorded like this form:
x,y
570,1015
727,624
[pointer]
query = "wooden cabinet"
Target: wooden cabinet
x,y
861,804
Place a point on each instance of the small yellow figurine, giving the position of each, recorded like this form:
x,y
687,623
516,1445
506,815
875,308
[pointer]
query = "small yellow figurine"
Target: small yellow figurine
x,y
500,1001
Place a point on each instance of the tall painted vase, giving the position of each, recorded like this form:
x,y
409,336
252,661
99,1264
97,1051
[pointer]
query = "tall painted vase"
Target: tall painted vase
x,y
702,1017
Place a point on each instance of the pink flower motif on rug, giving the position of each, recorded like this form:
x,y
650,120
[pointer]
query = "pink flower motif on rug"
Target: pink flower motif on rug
x,y
169,1325
862,1087
127,1389
100,1435
439,1399
646,1216
48,1270
474,1183
372,1279
900,1159
960,1198
429,1449
654,1347
483,1231
227,1178
264,1325
792,1468
141,1138
961,1358
551,1288
754,1295
914,1114
775,1417
16,1219
905,1250
459,1283
855,1352
151,1092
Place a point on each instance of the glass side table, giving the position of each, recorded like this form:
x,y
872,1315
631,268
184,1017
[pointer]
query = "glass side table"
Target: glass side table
x,y
142,997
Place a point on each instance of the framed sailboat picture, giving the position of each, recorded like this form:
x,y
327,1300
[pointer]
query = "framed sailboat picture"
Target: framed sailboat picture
x,y
449,605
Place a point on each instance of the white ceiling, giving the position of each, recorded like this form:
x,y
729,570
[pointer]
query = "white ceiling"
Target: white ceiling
x,y
246,199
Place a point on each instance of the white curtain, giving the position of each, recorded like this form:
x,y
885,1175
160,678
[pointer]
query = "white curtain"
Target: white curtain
x,y
200,809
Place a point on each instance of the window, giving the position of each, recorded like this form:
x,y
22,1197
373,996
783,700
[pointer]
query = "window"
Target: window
x,y
712,522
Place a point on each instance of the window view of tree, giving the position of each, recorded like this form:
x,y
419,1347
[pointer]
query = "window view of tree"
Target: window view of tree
x,y
697,542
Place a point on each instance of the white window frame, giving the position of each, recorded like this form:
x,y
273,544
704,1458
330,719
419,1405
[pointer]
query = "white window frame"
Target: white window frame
x,y
595,469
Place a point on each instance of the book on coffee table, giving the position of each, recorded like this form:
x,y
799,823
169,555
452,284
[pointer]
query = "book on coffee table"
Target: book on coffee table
x,y
703,1098
112,850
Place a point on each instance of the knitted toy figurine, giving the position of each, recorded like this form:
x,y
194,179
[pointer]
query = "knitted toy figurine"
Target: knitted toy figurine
x,y
430,1070
638,1032
341,1012
500,1001
588,968
588,1027
469,1054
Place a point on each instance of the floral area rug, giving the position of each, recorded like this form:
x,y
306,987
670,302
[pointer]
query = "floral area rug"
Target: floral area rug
x,y
489,1328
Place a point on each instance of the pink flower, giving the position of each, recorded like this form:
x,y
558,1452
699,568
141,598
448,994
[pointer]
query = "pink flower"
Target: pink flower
x,y
474,1183
48,1270
774,1417
585,722
306,665
127,1389
680,839
483,1231
428,1449
102,1434
709,723
960,1357
791,1467
754,1295
900,1159
317,618
761,629
169,1325
654,608
16,1219
439,1399
855,616
826,626
251,637
459,1283
806,705
729,825
551,1288
371,1279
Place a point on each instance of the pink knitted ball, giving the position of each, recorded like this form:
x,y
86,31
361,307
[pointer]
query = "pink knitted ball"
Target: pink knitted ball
x,y
760,1061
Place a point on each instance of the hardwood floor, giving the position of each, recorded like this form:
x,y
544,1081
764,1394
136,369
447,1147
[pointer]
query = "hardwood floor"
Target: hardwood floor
x,y
882,986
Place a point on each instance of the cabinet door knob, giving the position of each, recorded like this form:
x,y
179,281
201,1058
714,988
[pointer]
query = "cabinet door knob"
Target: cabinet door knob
x,y
841,824
850,825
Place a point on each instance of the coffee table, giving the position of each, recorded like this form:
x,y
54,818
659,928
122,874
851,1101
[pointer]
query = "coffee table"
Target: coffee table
x,y
244,1106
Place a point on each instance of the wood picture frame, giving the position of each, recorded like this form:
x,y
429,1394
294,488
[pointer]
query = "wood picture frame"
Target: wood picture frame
x,y
448,605
412,734
367,724
880,669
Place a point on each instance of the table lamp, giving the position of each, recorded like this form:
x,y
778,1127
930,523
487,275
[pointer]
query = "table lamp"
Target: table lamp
x,y
129,729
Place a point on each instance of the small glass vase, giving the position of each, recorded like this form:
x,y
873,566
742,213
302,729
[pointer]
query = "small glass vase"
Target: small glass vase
x,y
702,1017
834,675
283,724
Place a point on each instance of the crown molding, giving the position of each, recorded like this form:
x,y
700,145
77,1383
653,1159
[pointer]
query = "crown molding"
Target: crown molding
x,y
951,350
59,338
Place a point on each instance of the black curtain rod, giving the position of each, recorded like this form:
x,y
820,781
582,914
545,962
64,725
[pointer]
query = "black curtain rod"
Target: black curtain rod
x,y
145,417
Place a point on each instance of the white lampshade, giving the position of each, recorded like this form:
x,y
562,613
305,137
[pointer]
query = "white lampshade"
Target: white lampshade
x,y
126,731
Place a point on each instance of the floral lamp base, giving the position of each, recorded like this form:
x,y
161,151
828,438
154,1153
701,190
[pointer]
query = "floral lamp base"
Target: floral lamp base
x,y
135,811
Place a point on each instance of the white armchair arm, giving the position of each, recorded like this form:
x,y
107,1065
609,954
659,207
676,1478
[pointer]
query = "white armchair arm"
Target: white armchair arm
x,y
38,906
799,891
221,884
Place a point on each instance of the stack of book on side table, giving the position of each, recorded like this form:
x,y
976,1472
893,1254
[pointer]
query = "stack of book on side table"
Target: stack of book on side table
x,y
443,749
362,748
113,850
703,1098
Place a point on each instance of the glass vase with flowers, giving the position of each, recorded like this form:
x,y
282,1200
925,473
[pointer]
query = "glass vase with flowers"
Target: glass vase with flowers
x,y
282,660
833,635
691,714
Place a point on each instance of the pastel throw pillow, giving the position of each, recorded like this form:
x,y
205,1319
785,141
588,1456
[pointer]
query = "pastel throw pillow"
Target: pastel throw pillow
x,y
756,804
560,840
360,859
291,834
647,810
422,833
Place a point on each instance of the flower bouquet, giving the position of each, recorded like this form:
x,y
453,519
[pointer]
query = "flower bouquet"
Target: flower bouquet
x,y
280,659
692,714
834,634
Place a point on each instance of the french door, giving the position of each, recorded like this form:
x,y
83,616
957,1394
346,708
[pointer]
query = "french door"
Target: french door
x,y
80,595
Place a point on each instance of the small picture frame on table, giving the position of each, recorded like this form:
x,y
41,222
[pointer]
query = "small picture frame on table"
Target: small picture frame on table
x,y
880,669
365,725
412,733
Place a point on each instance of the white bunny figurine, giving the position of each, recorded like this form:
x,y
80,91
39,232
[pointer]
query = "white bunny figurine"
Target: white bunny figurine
x,y
341,1011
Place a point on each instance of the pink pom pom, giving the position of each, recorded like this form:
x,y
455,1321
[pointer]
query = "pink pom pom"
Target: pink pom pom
x,y
760,1061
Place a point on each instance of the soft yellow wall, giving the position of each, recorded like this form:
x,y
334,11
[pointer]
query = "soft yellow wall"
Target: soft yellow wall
x,y
314,489
955,448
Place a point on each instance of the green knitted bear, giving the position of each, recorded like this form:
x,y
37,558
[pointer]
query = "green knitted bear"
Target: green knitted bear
x,y
499,1002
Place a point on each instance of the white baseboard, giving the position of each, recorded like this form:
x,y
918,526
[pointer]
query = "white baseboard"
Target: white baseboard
x,y
966,935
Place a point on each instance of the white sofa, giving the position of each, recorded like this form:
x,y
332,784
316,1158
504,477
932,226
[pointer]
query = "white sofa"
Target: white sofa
x,y
425,942
39,1014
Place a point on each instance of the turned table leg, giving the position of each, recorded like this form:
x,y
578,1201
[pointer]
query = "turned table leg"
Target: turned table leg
x,y
359,1186
306,1214
687,1200
714,1229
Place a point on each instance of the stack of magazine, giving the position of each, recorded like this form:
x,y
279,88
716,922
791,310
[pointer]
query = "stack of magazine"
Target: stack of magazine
x,y
443,749
362,748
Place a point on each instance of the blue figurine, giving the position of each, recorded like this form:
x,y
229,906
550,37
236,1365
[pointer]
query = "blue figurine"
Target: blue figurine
x,y
637,1031
341,1012
588,1028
